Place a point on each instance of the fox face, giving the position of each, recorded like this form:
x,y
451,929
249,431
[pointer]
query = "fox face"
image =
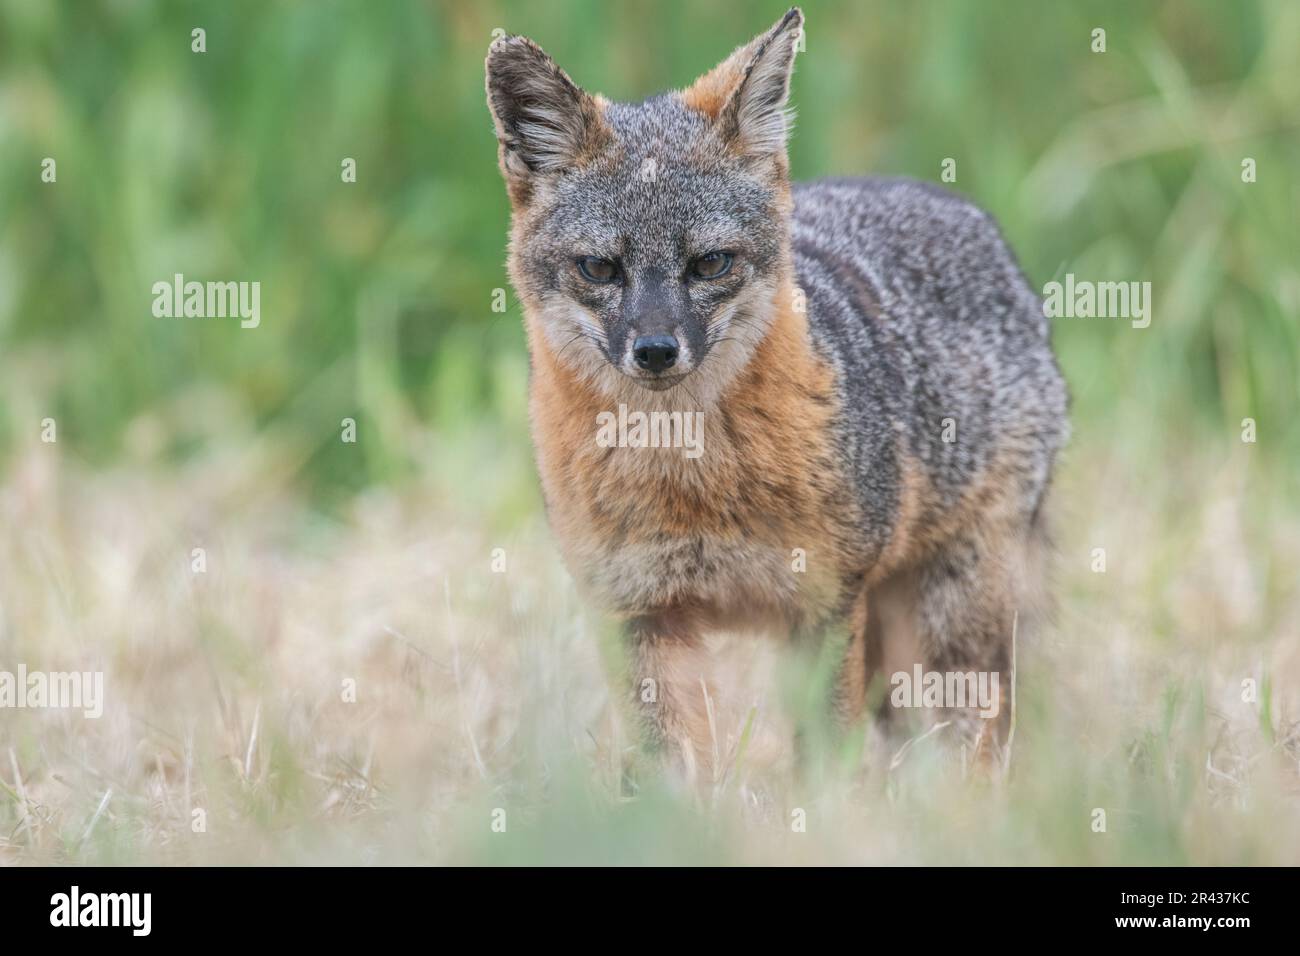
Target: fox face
x,y
648,240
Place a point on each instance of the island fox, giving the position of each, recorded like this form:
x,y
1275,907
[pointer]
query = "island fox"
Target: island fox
x,y
879,404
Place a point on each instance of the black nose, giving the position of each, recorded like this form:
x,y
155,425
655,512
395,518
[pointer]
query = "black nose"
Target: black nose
x,y
654,353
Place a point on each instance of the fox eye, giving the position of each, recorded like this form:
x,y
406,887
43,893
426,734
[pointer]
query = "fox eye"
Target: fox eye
x,y
712,265
597,270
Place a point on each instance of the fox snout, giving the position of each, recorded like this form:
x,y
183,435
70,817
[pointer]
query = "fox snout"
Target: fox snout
x,y
657,332
655,353
657,361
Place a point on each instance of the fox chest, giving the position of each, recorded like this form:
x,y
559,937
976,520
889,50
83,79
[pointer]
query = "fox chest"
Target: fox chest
x,y
715,525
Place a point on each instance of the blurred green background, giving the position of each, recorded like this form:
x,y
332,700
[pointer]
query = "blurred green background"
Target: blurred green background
x,y
377,295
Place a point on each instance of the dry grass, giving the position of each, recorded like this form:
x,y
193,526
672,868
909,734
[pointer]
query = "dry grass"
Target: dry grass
x,y
477,691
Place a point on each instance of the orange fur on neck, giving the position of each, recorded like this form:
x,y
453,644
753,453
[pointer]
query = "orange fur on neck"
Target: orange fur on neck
x,y
769,477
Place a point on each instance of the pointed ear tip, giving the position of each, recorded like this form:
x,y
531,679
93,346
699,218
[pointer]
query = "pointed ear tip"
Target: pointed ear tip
x,y
509,44
495,50
500,44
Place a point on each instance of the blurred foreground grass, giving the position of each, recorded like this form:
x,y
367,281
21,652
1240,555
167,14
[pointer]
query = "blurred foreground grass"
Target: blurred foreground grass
x,y
475,691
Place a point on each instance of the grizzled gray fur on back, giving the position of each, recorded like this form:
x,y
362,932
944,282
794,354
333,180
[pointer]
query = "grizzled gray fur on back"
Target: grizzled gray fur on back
x,y
916,299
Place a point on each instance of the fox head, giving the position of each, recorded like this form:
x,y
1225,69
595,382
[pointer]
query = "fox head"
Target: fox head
x,y
649,240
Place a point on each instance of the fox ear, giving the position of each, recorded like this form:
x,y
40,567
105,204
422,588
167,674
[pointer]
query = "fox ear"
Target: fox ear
x,y
746,93
544,122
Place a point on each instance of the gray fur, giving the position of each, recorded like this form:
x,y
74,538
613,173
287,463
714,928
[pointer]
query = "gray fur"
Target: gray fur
x,y
915,298
654,202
